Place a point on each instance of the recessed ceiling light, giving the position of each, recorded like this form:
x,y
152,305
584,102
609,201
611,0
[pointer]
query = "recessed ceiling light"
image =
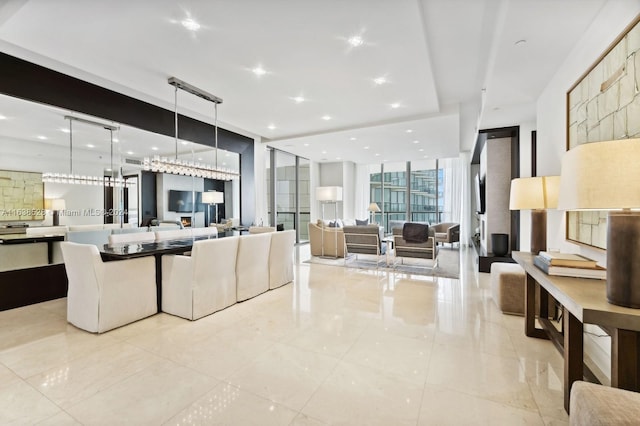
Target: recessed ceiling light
x,y
42,138
416,141
271,127
64,130
338,158
184,143
326,117
298,99
2,117
259,71
129,152
352,138
421,150
199,158
380,80
395,105
190,24
409,131
154,148
306,144
377,155
90,145
355,41
366,147
116,140
324,152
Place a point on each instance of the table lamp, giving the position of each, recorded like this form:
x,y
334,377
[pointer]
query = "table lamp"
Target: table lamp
x,y
213,197
55,205
326,195
373,208
606,176
536,194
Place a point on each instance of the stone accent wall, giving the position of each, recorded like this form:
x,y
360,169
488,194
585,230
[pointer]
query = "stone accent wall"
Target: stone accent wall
x,y
21,196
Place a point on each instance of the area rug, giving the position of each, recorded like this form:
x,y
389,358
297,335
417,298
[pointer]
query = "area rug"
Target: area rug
x,y
446,265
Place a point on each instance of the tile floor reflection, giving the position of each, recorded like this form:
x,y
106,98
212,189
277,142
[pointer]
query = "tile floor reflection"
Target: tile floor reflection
x,y
338,346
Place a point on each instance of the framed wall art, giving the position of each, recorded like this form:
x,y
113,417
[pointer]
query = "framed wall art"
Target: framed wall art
x,y
603,105
21,196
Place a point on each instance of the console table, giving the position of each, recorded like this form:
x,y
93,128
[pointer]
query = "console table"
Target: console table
x,y
583,301
31,283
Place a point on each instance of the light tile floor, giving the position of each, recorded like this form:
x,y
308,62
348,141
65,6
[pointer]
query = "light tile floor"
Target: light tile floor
x,y
338,346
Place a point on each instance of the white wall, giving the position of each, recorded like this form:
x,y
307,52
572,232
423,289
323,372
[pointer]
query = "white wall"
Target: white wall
x,y
551,126
525,171
331,174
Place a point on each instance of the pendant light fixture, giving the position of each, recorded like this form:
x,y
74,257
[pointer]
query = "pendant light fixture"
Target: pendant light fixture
x,y
72,178
190,168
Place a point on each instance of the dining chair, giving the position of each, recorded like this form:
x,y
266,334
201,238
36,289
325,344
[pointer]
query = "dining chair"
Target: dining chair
x,y
106,295
204,282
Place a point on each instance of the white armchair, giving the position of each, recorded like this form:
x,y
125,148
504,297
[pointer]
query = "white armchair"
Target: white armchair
x,y
106,295
203,283
252,265
281,258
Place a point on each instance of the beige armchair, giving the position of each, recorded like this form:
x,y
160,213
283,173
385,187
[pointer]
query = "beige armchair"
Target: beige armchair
x,y
592,404
331,236
403,248
446,232
364,240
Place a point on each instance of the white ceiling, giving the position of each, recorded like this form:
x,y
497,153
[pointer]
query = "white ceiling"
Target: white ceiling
x,y
440,58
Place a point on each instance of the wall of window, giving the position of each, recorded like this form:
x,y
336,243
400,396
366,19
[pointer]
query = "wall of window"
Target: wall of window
x,y
418,198
288,192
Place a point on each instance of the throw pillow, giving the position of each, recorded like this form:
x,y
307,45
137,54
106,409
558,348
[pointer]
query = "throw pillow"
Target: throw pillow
x,y
362,222
333,224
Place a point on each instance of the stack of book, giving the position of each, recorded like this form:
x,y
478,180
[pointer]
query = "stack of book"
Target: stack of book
x,y
569,265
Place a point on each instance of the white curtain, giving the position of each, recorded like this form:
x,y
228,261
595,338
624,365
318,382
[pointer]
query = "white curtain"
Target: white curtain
x,y
456,193
452,190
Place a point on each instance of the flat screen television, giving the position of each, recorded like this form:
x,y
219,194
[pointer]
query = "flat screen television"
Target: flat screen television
x,y
480,195
182,201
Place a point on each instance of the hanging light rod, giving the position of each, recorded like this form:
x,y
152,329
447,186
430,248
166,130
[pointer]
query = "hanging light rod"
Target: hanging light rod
x,y
93,123
194,90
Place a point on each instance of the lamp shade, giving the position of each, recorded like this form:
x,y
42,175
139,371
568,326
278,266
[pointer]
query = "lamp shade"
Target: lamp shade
x,y
213,197
373,207
58,204
534,193
601,176
329,193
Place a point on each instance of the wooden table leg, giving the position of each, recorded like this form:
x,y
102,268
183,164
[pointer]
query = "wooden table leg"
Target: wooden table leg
x,y
573,352
530,329
625,352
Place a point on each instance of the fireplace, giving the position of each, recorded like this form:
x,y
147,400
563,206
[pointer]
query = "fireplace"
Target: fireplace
x,y
186,221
